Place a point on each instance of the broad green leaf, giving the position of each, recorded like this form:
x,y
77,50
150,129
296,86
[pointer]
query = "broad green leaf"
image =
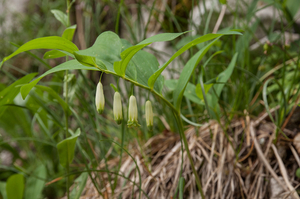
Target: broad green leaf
x,y
198,90
106,48
60,16
202,39
52,54
66,149
53,42
187,72
126,55
35,184
223,1
53,94
79,185
8,94
69,65
15,186
222,79
69,33
141,67
189,91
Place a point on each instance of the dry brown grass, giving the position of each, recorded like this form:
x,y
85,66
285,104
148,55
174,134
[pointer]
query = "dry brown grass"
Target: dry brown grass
x,y
260,169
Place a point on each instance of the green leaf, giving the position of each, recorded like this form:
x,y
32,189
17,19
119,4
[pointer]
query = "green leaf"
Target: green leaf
x,y
60,16
106,49
162,37
52,54
52,42
141,67
187,72
35,183
223,1
189,91
221,80
225,75
202,39
69,65
8,94
69,33
66,149
126,56
79,185
15,186
198,90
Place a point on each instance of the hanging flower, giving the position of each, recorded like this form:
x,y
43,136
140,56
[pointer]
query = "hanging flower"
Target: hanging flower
x,y
100,101
149,115
132,112
118,108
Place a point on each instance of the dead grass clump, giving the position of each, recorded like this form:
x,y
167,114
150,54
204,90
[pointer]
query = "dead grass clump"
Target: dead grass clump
x,y
237,161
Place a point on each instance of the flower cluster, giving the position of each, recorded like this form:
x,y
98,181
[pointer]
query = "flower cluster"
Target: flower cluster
x,y
117,108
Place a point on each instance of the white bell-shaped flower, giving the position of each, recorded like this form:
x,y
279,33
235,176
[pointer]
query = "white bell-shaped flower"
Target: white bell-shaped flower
x,y
99,100
132,112
149,115
118,108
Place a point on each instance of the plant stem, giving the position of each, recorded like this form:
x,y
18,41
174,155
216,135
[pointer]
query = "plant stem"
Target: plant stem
x,y
67,128
183,137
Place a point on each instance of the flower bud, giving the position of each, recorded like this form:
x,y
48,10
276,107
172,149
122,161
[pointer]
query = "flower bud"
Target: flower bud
x,y
132,112
118,108
100,101
149,115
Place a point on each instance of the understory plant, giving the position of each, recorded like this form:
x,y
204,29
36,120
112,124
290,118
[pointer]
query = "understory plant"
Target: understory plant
x,y
118,57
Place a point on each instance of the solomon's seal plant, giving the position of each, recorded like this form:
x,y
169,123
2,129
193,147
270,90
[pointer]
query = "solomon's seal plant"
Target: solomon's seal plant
x,y
112,55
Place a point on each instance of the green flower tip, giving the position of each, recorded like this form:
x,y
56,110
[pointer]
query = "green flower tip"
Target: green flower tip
x,y
99,100
117,108
149,115
132,113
